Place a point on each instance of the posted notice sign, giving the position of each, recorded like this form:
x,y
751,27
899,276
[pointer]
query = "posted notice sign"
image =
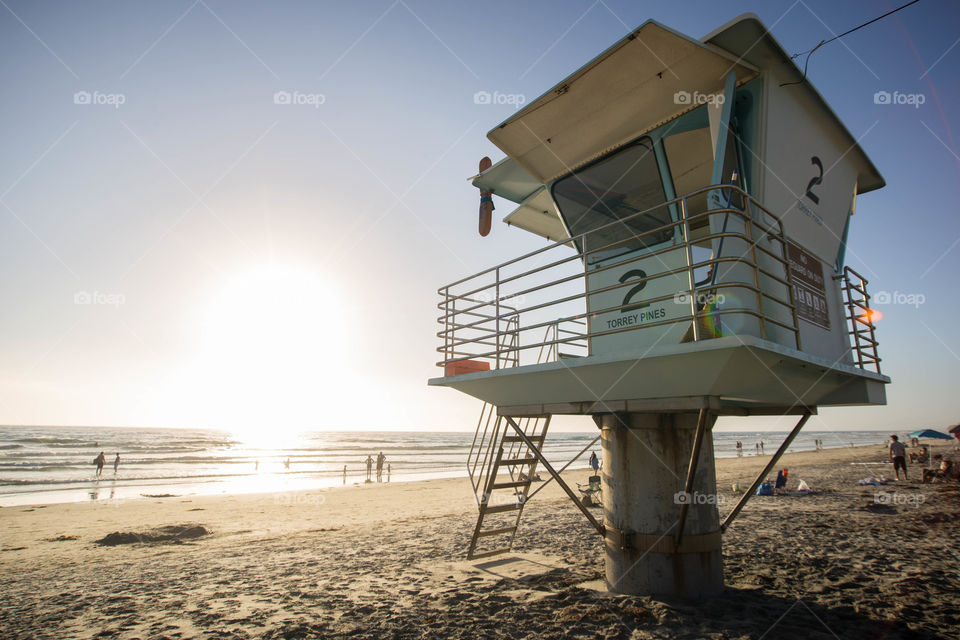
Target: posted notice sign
x,y
806,277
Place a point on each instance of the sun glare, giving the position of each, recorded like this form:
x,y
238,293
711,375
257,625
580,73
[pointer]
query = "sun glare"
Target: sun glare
x,y
273,351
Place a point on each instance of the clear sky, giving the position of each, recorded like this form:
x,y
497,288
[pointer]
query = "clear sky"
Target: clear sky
x,y
178,249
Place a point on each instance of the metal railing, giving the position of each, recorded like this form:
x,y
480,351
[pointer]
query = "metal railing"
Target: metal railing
x,y
863,338
481,314
505,342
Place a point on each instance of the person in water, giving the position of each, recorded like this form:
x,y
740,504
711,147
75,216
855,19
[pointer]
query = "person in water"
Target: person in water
x,y
116,464
99,461
369,467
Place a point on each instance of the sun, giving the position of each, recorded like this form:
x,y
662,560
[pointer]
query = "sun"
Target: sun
x,y
273,348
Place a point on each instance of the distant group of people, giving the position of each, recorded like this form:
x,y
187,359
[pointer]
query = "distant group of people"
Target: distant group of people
x,y
758,446
380,462
101,460
381,459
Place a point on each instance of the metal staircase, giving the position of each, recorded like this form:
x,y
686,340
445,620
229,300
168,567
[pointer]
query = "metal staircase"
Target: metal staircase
x,y
510,469
502,466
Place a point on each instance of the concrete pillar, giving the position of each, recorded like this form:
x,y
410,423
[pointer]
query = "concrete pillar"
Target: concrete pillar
x,y
645,459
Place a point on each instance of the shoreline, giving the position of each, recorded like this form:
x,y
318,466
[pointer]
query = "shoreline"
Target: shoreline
x,y
121,487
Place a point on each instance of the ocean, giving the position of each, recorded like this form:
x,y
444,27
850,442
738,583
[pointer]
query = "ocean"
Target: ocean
x,y
41,465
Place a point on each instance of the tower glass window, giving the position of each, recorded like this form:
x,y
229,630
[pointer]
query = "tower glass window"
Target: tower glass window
x,y
610,190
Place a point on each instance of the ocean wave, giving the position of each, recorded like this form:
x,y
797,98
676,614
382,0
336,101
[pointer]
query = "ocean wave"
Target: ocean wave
x,y
52,440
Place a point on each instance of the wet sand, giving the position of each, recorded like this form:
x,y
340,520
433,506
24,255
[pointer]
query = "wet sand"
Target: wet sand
x,y
387,561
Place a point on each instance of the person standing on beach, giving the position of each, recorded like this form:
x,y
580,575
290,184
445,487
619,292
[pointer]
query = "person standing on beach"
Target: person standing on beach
x,y
756,446
369,467
389,470
344,474
761,447
739,449
898,456
380,460
594,461
99,461
116,464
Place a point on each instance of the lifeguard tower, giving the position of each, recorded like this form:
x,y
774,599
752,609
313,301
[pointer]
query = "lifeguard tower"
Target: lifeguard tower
x,y
697,198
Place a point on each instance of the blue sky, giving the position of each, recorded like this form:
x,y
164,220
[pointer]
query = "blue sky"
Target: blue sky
x,y
142,234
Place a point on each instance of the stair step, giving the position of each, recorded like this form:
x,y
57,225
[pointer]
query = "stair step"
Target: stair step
x,y
487,554
502,508
510,485
509,461
513,439
496,532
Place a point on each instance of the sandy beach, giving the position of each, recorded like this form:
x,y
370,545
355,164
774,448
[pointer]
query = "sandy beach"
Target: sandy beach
x,y
387,561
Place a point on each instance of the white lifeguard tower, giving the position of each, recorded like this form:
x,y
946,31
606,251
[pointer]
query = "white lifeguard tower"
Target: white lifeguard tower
x,y
698,196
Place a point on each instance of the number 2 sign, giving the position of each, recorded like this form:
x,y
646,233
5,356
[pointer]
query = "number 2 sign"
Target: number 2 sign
x,y
815,180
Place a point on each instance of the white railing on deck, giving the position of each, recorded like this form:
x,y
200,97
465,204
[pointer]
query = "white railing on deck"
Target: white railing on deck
x,y
863,338
489,316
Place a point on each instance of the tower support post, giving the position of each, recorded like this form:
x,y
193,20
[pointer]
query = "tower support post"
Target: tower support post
x,y
647,460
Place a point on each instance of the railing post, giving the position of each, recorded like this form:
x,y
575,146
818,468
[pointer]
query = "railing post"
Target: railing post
x,y
790,288
451,320
756,276
497,312
691,280
873,334
446,327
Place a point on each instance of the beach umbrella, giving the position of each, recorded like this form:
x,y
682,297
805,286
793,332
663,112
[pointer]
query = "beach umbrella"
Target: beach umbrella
x,y
930,433
954,429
